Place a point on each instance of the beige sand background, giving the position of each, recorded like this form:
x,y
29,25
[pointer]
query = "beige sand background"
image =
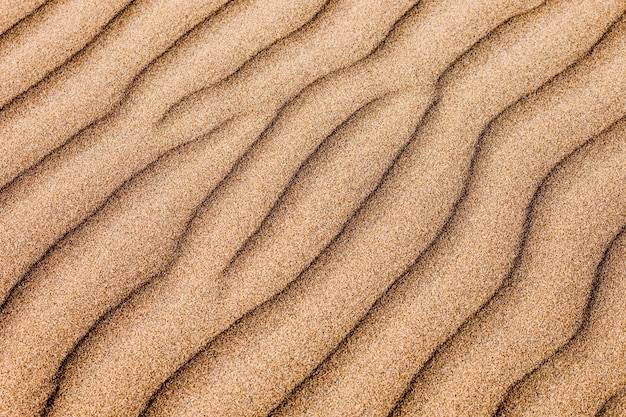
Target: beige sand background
x,y
312,208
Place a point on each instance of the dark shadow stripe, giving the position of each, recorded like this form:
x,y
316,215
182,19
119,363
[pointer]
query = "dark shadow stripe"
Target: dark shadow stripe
x,y
25,17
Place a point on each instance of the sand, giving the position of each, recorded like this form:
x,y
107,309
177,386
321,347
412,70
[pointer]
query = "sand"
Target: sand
x,y
312,208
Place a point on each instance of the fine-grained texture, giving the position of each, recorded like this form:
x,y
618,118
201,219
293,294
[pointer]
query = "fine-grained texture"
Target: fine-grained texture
x,y
312,208
401,332
137,233
615,407
92,83
579,210
11,11
33,52
212,244
578,379
79,176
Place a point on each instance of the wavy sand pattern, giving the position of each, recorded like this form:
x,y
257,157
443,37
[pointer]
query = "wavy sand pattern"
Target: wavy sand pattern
x,y
312,208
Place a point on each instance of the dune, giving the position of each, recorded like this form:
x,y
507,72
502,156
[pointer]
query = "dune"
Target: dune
x,y
590,369
13,12
470,259
312,208
105,154
131,239
579,209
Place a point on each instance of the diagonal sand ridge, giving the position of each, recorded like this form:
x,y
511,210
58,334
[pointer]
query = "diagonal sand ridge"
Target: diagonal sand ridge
x,y
312,208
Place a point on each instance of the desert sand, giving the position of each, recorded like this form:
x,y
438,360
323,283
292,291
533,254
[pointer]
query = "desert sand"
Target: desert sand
x,y
312,208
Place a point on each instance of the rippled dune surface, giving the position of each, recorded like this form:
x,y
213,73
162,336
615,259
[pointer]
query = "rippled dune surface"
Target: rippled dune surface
x,y
312,208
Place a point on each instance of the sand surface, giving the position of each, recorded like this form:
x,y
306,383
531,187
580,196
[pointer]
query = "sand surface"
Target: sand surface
x,y
242,208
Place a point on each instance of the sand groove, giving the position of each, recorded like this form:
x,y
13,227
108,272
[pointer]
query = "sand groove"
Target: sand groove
x,y
404,328
129,139
14,11
590,369
543,302
616,406
136,233
312,207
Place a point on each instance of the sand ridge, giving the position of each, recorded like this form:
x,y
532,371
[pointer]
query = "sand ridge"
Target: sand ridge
x,y
312,207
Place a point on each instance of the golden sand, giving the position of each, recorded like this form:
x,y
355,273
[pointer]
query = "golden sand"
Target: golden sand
x,y
312,208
